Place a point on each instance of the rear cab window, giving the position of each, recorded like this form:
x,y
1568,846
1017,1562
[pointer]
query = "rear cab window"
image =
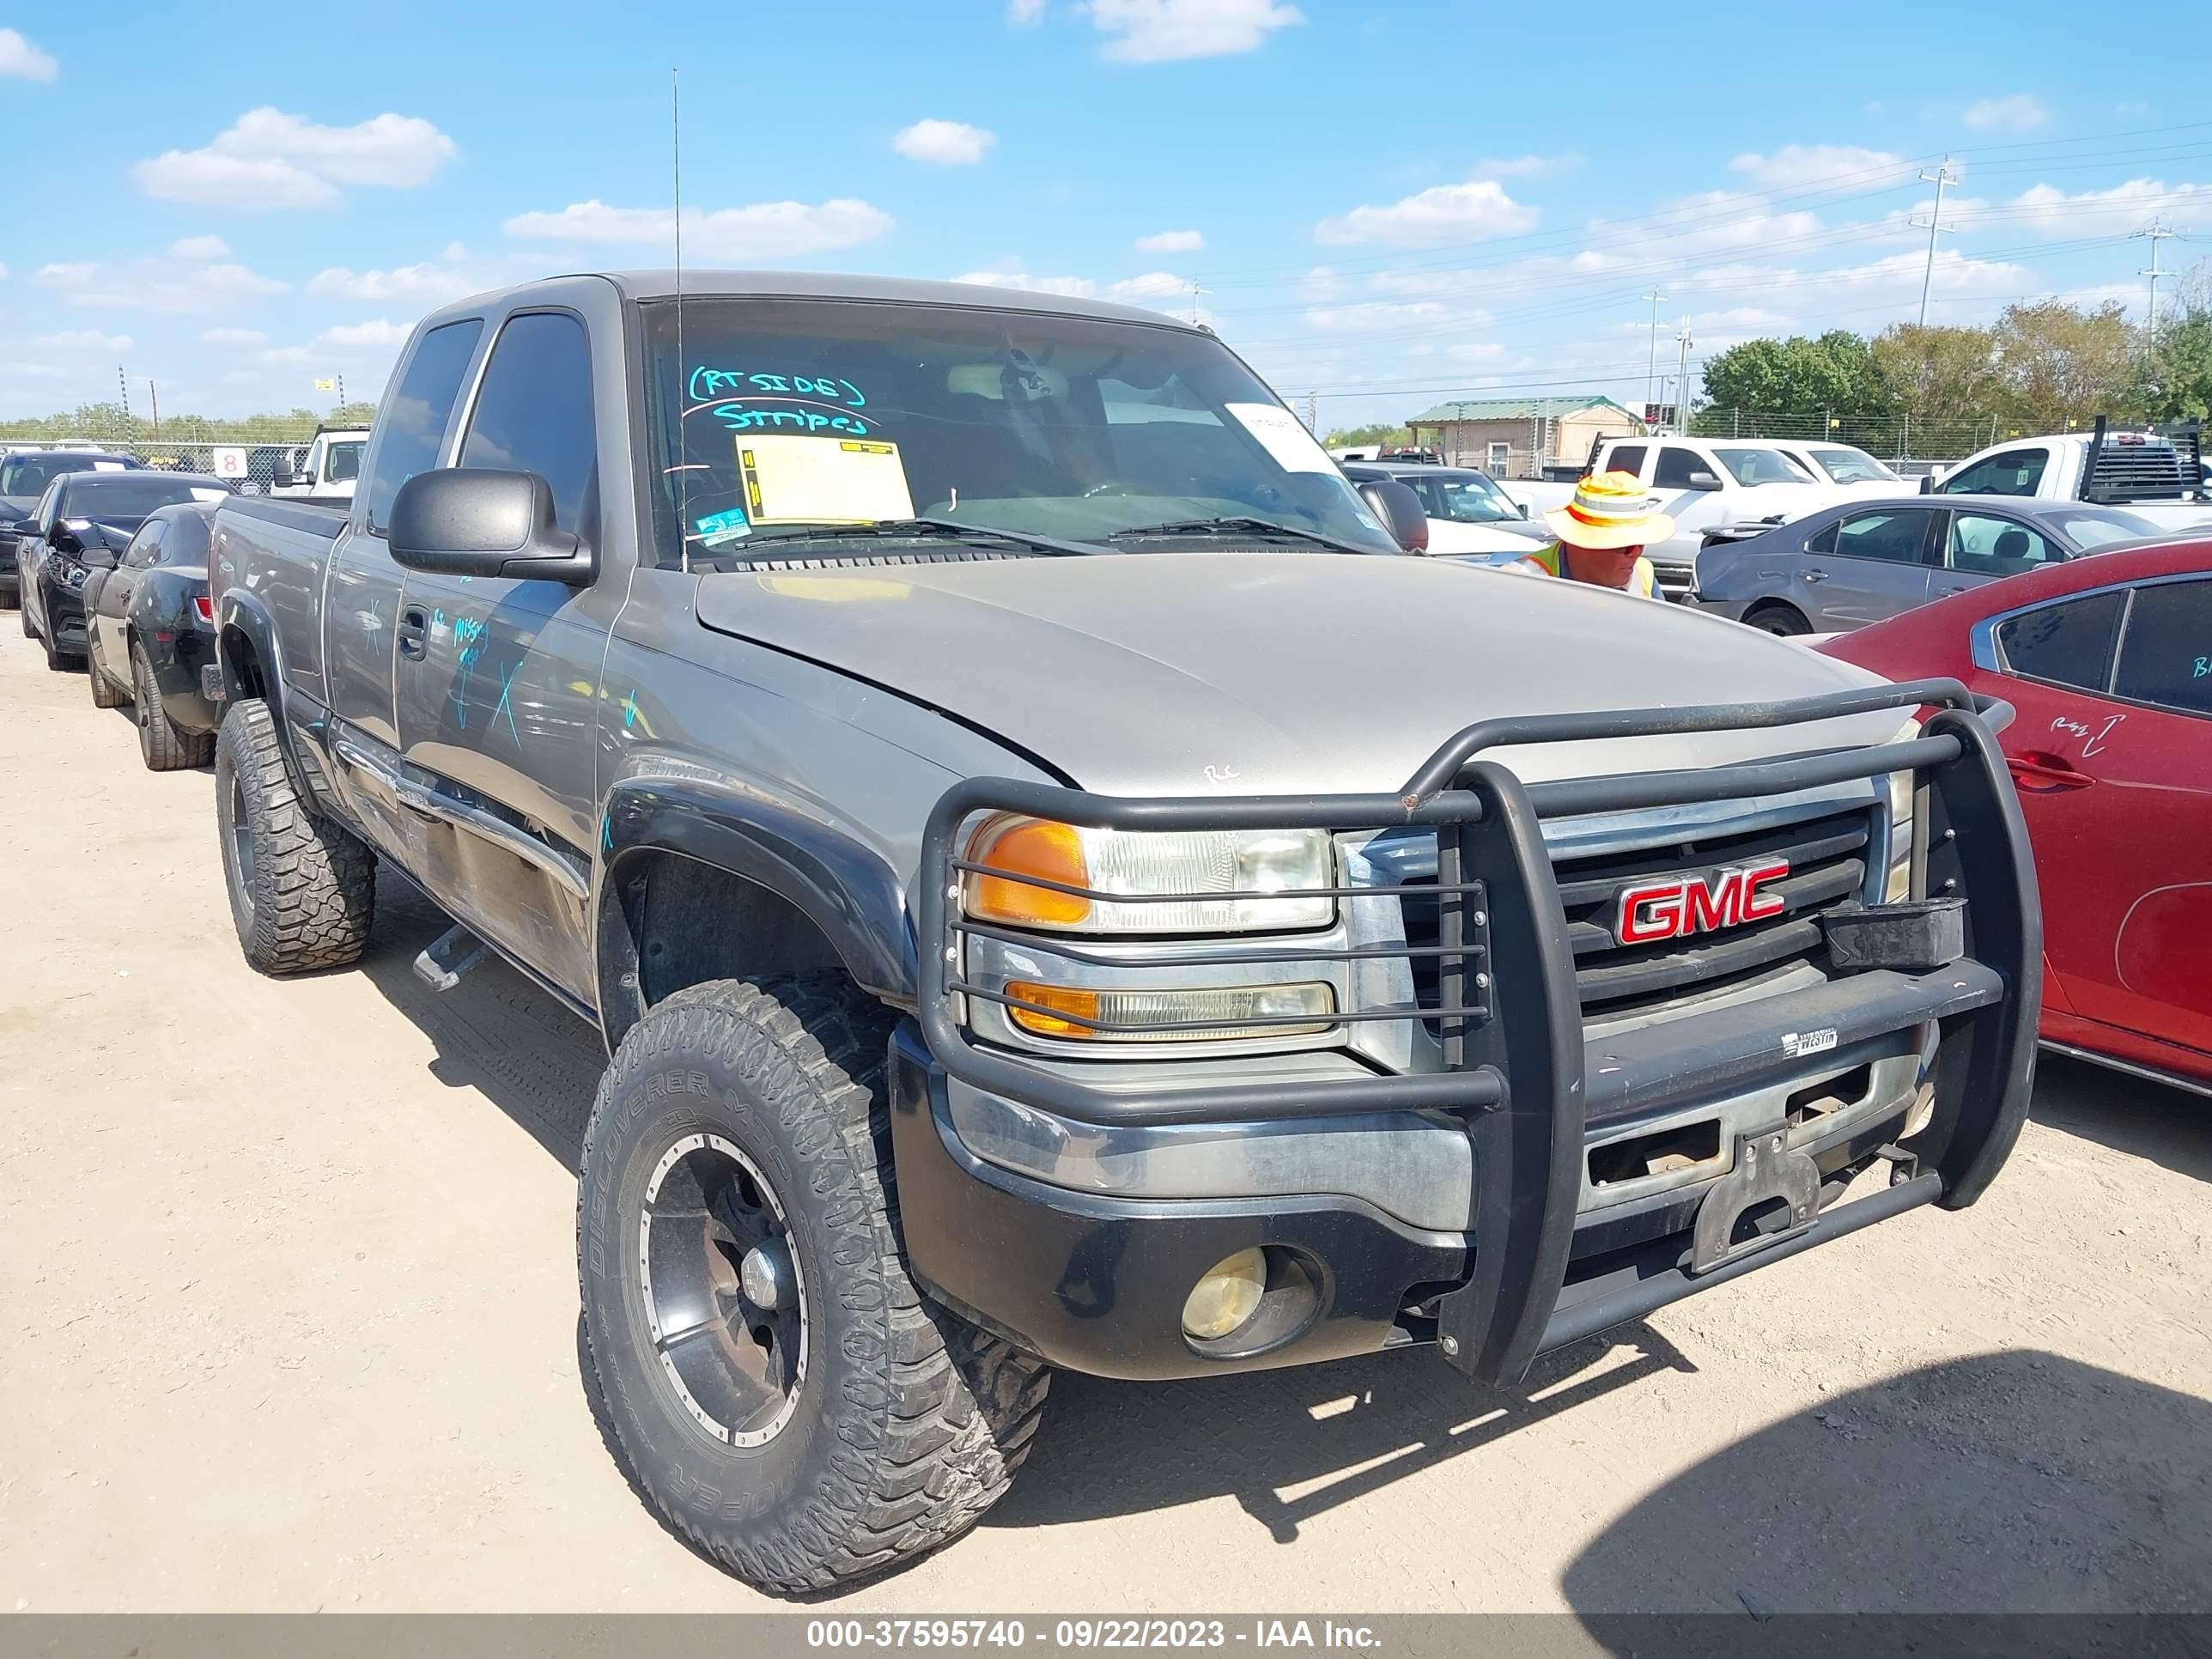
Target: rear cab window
x,y
2010,472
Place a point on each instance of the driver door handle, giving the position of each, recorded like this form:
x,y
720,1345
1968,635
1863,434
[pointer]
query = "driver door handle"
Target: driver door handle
x,y
414,633
1816,576
2047,771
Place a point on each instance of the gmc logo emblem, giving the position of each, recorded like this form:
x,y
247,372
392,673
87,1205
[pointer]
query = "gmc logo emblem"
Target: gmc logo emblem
x,y
1673,909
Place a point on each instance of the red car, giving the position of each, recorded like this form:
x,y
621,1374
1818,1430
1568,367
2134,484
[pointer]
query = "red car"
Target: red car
x,y
2108,660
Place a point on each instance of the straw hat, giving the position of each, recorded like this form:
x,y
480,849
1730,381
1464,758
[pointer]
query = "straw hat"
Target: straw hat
x,y
1610,509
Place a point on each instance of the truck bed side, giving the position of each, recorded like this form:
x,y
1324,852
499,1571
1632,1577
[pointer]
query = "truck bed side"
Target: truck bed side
x,y
267,562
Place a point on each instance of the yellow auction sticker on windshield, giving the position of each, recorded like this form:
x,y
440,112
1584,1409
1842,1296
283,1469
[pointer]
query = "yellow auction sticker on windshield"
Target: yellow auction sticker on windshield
x,y
790,479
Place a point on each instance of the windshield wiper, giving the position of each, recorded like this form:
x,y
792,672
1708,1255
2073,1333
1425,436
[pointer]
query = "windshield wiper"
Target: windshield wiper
x,y
1238,526
902,529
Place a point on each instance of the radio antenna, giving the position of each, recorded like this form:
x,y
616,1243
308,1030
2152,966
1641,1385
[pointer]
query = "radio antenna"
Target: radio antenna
x,y
683,449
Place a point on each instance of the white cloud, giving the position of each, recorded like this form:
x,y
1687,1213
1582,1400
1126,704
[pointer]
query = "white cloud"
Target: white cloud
x,y
1369,315
32,371
1796,165
1172,242
2017,113
4,273
1070,287
19,58
268,160
84,339
763,231
1711,221
199,247
432,284
381,332
159,284
2051,211
1161,31
1024,13
1471,212
233,336
277,355
1526,166
942,143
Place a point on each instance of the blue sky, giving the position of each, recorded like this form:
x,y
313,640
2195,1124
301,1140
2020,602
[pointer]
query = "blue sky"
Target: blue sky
x,y
1383,204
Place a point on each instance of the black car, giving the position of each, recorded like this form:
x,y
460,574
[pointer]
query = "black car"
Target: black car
x,y
24,476
149,629
82,522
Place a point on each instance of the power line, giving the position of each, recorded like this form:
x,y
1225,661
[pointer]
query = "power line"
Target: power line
x,y
1651,359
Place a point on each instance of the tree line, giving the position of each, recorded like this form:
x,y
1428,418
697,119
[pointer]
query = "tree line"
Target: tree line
x,y
2040,366
112,423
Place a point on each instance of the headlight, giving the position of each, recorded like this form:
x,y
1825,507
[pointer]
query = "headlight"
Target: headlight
x,y
1899,885
1189,1016
1219,879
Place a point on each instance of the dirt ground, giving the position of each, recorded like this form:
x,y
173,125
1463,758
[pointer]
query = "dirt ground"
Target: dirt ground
x,y
288,1321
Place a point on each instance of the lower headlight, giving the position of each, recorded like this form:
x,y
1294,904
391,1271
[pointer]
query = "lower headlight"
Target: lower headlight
x,y
1212,1015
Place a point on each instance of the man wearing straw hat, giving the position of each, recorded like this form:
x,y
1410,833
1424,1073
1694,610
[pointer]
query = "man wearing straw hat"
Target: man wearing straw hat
x,y
1603,534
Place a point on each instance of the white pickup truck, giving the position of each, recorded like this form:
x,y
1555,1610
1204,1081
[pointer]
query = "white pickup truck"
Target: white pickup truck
x,y
333,462
2158,475
1701,482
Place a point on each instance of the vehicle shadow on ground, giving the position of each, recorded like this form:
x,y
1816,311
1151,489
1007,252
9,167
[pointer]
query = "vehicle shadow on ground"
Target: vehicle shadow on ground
x,y
494,1031
2015,1482
1289,1445
2156,1121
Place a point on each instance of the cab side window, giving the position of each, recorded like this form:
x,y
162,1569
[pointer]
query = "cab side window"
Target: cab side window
x,y
2014,472
2068,644
1626,457
416,416
534,413
1895,535
1675,466
2166,656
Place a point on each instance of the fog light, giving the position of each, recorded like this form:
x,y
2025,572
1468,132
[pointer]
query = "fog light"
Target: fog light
x,y
1227,1296
1190,1016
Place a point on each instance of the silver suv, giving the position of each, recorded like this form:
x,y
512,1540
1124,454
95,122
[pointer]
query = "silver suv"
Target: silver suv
x,y
1059,890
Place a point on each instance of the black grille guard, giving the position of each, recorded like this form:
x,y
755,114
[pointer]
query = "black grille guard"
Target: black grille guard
x,y
1508,1017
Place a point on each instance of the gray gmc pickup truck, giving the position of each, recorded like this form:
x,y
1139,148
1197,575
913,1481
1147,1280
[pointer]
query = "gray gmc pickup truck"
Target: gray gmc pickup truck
x,y
1058,889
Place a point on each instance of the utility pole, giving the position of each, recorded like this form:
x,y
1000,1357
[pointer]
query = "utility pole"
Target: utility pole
x,y
124,386
1682,379
1942,177
2156,232
1195,290
153,396
1651,357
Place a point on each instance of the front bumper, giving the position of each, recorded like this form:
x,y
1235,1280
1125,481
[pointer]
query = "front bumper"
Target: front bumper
x,y
1540,1254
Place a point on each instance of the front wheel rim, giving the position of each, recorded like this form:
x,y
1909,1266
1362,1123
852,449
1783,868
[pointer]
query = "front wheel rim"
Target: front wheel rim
x,y
241,842
712,1237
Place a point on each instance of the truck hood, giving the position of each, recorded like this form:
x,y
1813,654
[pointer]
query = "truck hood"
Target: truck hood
x,y
1273,674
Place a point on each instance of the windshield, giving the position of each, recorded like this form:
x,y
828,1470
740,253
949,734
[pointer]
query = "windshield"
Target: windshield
x,y
29,475
2087,529
344,462
1853,466
1762,466
117,500
782,413
1464,498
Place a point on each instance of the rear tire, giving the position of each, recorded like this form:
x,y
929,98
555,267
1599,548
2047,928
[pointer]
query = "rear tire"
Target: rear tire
x,y
163,744
876,1425
105,692
59,662
1780,620
302,889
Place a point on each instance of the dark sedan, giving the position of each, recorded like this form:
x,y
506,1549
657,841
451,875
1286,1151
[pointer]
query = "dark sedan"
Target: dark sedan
x,y
24,476
82,522
1854,563
149,631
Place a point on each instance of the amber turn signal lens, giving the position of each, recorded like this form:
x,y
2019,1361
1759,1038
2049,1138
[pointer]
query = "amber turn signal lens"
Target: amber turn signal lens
x,y
1028,846
1084,1005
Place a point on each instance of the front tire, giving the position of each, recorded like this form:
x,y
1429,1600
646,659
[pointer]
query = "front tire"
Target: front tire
x,y
1780,620
876,1425
163,745
302,889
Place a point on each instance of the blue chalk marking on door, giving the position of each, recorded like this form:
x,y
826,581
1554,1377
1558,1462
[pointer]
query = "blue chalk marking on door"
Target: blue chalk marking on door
x,y
505,706
629,710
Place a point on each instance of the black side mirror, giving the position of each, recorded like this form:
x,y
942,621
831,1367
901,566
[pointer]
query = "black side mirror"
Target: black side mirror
x,y
476,521
281,476
1401,511
63,539
1703,481
1928,484
1522,508
96,555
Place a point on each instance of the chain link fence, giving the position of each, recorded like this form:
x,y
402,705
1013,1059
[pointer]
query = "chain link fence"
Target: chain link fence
x,y
250,465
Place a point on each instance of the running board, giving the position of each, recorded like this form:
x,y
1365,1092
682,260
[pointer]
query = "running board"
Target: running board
x,y
449,956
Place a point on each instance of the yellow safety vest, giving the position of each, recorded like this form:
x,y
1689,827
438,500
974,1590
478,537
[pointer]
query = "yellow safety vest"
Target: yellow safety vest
x,y
1643,582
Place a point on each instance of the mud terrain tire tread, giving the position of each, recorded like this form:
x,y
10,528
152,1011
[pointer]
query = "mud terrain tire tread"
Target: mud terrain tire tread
x,y
314,886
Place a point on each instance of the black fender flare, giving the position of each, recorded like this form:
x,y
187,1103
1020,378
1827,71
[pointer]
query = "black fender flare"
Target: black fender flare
x,y
842,885
241,610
